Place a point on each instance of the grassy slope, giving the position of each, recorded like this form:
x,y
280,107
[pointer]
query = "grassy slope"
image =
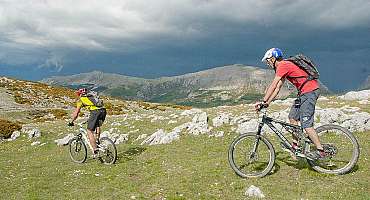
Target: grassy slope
x,y
195,167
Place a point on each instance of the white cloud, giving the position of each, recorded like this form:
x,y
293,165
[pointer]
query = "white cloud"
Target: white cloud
x,y
53,62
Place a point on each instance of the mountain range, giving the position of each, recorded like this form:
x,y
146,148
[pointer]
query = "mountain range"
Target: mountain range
x,y
225,85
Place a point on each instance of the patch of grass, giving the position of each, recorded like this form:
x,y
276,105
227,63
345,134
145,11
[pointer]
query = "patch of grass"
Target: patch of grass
x,y
195,167
8,127
252,97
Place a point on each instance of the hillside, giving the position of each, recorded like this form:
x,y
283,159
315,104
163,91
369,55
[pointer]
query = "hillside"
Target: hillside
x,y
168,152
228,85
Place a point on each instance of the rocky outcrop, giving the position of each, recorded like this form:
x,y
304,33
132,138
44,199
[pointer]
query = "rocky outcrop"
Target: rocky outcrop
x,y
221,119
199,124
356,95
161,137
65,140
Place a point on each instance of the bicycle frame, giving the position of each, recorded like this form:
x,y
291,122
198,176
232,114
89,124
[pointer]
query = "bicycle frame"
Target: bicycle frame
x,y
297,130
83,134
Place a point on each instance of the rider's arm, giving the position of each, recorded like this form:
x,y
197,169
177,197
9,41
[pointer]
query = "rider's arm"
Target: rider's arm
x,y
271,90
75,113
276,91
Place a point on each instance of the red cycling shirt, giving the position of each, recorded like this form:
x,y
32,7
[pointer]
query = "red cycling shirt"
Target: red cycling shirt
x,y
288,70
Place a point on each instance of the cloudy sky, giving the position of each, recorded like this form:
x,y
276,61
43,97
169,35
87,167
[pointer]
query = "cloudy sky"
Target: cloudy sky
x,y
153,38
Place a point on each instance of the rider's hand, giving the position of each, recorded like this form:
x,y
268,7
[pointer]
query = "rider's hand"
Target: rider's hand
x,y
259,105
71,124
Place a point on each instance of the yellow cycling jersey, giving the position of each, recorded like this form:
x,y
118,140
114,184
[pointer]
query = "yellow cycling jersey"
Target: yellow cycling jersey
x,y
85,102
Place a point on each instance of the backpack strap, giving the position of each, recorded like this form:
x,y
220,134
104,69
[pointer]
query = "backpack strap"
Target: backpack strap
x,y
308,78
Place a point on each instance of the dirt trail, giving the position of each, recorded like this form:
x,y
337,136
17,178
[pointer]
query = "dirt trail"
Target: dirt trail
x,y
7,103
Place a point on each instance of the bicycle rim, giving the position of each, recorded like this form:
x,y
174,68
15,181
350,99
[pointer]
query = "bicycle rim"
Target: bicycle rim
x,y
77,150
341,147
248,163
107,151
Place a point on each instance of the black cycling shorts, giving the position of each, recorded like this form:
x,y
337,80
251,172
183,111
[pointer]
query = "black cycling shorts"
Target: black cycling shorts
x,y
96,119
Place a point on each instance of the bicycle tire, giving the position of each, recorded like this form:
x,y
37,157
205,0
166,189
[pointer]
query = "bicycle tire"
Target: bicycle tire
x,y
107,151
234,164
77,146
321,166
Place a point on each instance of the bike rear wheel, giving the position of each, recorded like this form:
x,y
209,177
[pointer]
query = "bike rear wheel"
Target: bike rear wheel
x,y
341,147
77,150
107,151
251,155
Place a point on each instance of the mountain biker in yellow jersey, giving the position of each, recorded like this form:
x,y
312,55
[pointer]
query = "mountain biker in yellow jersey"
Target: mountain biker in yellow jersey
x,y
96,119
303,110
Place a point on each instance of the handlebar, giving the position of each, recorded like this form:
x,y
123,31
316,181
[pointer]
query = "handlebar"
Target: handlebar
x,y
261,106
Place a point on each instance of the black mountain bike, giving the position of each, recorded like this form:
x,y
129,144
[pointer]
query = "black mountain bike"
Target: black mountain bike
x,y
253,155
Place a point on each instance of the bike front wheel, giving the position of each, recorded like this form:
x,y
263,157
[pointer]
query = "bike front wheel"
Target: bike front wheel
x,y
341,148
107,151
77,150
251,155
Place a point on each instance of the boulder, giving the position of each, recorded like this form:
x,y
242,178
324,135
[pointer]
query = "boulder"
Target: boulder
x,y
142,136
248,126
65,140
35,143
115,137
330,116
217,134
347,108
33,133
359,121
199,124
161,137
364,102
356,95
14,135
221,119
254,191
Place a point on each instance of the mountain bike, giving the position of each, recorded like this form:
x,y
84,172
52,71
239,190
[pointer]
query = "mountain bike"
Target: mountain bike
x,y
107,151
253,155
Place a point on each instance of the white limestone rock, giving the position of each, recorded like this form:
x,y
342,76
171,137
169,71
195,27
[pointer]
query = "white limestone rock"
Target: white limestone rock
x,y
65,140
356,95
254,191
221,119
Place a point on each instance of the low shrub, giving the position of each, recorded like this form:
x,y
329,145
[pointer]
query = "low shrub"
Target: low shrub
x,y
8,127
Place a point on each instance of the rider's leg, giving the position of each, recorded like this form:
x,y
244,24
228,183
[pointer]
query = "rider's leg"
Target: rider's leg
x,y
314,137
294,119
294,136
97,133
91,127
102,115
307,118
92,140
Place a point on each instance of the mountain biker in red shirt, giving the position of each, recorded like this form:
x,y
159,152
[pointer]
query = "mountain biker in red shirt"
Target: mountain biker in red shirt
x,y
304,107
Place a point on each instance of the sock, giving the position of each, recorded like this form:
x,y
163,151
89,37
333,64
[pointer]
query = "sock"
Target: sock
x,y
322,152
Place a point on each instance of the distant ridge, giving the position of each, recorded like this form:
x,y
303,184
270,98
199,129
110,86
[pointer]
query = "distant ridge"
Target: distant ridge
x,y
224,85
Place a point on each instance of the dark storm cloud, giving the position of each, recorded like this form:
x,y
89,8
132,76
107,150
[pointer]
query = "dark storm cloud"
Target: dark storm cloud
x,y
155,38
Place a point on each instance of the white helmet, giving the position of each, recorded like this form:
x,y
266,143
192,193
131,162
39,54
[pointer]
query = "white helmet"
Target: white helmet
x,y
273,52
